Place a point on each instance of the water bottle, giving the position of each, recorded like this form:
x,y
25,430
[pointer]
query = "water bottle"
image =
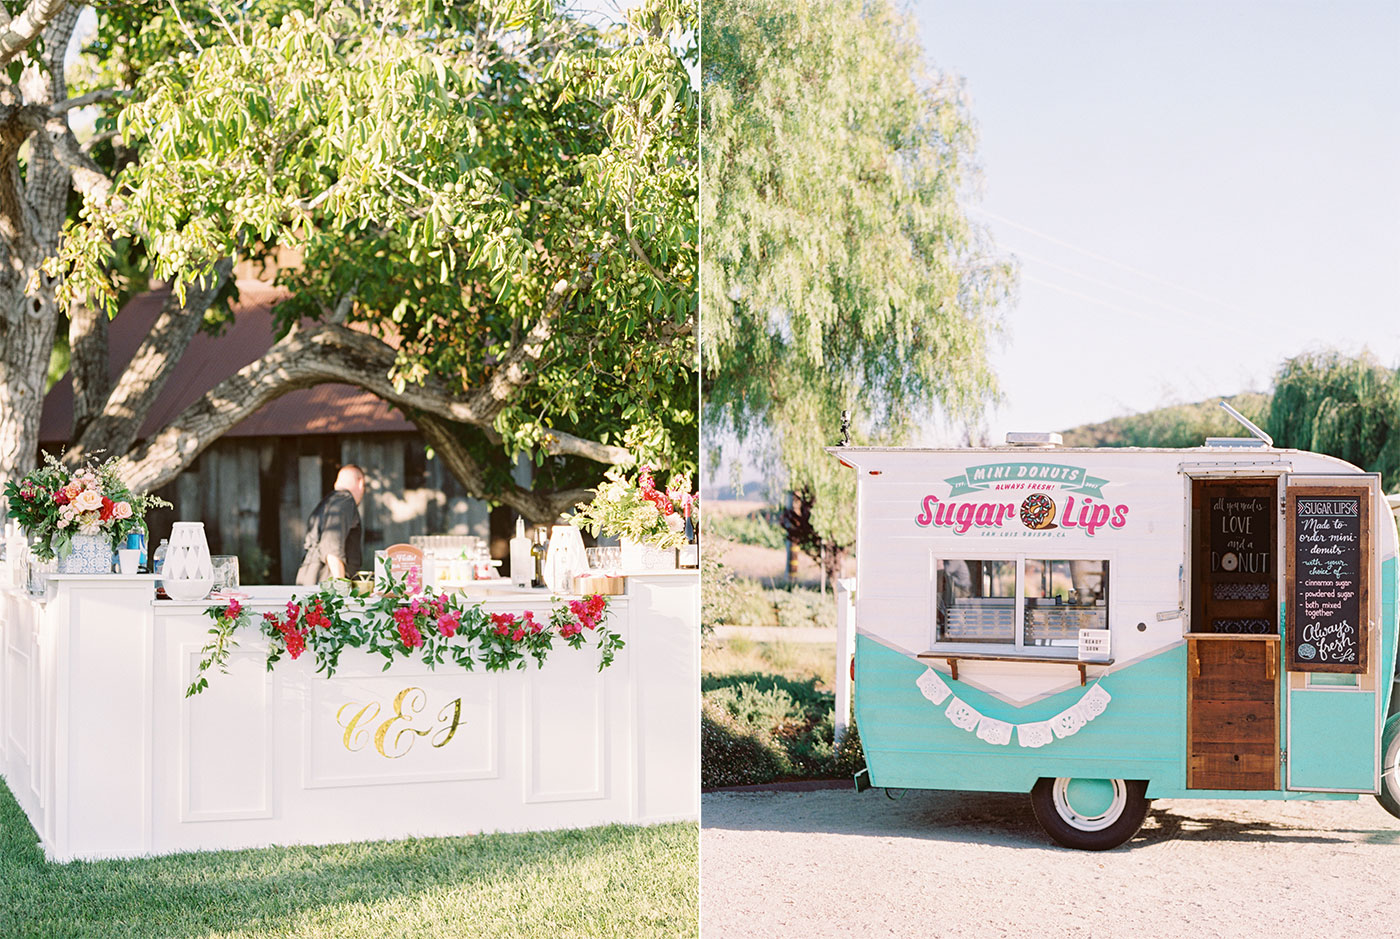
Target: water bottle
x,y
157,563
137,540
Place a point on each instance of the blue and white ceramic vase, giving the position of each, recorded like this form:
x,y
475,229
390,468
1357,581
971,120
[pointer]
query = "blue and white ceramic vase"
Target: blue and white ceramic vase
x,y
91,554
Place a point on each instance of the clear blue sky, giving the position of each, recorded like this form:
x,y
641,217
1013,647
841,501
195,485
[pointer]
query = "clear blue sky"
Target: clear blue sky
x,y
1194,191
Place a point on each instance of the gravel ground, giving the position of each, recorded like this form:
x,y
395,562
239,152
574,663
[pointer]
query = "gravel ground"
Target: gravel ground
x,y
945,864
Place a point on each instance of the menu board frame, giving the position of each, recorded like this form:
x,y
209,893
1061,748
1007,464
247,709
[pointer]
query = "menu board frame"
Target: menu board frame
x,y
1364,495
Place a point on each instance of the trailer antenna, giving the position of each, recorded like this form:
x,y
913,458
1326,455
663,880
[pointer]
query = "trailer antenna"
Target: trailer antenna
x,y
845,428
1249,425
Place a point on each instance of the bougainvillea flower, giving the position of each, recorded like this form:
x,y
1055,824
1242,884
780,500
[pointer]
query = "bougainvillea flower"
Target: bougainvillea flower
x,y
409,634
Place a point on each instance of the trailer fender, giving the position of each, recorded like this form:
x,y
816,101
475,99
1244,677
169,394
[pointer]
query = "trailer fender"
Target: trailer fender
x,y
1389,794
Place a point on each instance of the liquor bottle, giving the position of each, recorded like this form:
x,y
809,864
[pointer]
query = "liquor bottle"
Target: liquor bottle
x,y
688,554
538,550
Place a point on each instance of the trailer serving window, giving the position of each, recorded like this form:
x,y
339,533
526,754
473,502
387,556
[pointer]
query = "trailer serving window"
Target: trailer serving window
x,y
1023,602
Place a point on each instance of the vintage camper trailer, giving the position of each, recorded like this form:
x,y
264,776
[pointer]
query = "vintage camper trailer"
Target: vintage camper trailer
x,y
1100,627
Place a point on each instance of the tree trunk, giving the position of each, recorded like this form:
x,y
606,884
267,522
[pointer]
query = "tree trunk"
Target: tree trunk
x,y
25,344
33,203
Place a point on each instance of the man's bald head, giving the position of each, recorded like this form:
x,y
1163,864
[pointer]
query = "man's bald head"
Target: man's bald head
x,y
352,479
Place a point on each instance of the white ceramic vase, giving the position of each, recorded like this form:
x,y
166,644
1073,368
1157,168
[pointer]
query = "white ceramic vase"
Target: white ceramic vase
x,y
91,554
638,556
188,572
564,558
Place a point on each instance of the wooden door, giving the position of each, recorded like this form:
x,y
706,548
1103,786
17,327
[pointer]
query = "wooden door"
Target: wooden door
x,y
1233,649
1232,712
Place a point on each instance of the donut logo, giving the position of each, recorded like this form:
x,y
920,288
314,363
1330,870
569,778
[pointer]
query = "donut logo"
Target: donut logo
x,y
1229,561
1307,651
1038,512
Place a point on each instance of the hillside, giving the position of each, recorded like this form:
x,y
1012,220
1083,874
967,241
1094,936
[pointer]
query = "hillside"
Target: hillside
x,y
1178,425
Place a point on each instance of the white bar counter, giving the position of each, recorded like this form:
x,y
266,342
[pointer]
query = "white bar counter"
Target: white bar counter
x,y
109,759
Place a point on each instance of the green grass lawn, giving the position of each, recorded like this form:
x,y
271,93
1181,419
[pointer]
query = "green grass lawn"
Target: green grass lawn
x,y
611,881
766,714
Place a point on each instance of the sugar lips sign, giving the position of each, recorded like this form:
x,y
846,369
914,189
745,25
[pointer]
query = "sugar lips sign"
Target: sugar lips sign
x,y
1042,497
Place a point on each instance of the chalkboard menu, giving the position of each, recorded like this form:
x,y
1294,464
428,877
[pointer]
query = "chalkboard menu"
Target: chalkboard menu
x,y
1329,560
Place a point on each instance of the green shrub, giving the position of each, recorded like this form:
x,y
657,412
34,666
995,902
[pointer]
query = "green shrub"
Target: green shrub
x,y
758,529
764,728
732,754
769,709
727,600
801,606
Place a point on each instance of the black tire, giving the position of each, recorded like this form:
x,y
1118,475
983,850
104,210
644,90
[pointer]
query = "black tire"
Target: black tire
x,y
1389,795
1119,809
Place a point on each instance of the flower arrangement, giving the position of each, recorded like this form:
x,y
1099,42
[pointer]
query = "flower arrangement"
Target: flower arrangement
x,y
431,627
640,511
53,503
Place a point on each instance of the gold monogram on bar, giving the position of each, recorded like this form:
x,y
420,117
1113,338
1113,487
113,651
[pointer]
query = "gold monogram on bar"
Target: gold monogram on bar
x,y
408,704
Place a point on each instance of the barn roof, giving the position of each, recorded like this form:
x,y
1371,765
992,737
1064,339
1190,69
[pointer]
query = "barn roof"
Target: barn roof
x,y
324,409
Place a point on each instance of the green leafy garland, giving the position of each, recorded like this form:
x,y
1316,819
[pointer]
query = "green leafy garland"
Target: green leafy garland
x,y
396,625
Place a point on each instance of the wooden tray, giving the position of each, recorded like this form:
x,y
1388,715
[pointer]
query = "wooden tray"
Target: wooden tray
x,y
585,584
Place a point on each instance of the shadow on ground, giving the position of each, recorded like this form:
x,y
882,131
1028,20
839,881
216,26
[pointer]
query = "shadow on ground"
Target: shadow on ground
x,y
1005,819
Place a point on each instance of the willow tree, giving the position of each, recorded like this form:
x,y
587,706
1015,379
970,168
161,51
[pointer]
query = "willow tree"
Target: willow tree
x,y
840,269
1347,407
492,203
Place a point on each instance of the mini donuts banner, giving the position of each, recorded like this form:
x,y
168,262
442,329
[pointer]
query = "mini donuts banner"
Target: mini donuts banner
x,y
1010,498
1032,734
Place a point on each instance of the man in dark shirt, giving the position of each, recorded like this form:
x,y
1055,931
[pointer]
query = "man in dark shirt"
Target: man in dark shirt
x,y
333,534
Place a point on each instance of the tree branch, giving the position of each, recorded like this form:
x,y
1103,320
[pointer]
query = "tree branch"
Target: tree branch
x,y
92,380
21,32
92,97
309,356
539,508
88,177
125,409
96,139
511,372
558,443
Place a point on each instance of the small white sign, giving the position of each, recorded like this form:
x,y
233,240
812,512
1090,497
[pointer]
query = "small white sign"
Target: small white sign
x,y
1093,645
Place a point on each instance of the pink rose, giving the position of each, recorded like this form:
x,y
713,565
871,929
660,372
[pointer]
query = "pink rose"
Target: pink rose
x,y
122,510
87,501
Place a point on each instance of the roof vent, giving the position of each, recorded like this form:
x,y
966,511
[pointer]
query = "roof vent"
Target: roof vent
x,y
1238,443
1261,439
1041,440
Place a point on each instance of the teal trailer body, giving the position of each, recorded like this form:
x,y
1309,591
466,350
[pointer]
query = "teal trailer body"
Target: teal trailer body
x,y
1062,614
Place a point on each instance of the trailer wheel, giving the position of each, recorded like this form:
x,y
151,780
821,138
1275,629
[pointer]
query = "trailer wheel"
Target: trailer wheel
x,y
1090,814
1389,795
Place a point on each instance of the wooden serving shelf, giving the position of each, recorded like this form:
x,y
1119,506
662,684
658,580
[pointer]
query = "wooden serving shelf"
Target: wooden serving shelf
x,y
952,658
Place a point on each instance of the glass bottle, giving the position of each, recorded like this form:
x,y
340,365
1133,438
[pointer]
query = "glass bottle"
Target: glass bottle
x,y
158,563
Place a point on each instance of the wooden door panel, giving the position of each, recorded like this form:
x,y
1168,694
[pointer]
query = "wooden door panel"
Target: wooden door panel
x,y
1242,721
1248,771
1232,713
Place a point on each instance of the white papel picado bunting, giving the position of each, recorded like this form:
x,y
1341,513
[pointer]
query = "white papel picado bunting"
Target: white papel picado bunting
x,y
1030,734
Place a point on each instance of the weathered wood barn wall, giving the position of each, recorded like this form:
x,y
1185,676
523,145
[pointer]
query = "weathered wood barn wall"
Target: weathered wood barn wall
x,y
255,487
254,495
